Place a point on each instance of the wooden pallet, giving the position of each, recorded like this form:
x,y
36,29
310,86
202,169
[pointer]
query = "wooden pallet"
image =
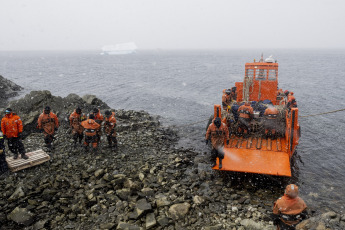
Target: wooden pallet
x,y
35,158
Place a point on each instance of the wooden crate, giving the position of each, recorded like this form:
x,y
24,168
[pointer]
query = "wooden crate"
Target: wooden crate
x,y
35,158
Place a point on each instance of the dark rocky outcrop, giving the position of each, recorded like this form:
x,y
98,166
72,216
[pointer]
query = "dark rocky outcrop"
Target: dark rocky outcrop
x,y
8,89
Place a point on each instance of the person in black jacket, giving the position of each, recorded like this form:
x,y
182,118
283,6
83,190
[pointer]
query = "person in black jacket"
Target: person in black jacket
x,y
3,163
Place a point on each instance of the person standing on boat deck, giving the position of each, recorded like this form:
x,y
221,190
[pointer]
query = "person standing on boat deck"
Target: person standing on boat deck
x,y
75,120
3,162
292,103
91,128
289,210
48,123
246,113
109,129
271,114
218,132
12,128
226,99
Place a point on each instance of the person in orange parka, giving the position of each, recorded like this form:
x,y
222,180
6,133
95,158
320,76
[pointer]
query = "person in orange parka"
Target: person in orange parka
x,y
75,120
289,210
109,129
246,113
91,128
12,128
48,122
271,114
218,132
226,99
99,119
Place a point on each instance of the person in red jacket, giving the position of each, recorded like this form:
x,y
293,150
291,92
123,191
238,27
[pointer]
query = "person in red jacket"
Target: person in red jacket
x,y
12,128
109,129
75,120
91,128
246,113
289,210
218,132
48,123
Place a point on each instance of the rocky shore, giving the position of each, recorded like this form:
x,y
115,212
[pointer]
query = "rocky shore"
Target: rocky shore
x,y
148,183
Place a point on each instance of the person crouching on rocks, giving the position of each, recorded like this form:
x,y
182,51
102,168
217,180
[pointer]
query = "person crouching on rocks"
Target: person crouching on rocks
x,y
12,128
109,129
48,123
218,132
75,120
91,127
289,210
3,163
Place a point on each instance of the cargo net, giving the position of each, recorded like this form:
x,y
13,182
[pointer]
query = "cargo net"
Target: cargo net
x,y
258,123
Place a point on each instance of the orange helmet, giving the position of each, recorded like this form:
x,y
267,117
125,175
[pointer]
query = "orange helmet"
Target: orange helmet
x,y
291,190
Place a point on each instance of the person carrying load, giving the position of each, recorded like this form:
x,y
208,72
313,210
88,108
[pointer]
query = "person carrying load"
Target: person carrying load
x,y
109,129
12,128
246,113
271,114
289,210
75,120
48,123
217,131
91,128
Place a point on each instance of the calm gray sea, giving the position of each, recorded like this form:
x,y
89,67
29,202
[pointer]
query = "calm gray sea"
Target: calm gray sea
x,y
182,86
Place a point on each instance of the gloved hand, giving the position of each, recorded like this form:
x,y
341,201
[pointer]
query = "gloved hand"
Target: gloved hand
x,y
206,141
56,129
4,136
229,107
40,130
20,135
227,142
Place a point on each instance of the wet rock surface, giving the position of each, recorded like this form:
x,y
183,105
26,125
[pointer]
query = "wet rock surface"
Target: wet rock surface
x,y
8,89
147,183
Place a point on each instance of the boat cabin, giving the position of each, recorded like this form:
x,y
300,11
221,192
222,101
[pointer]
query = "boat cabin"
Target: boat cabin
x,y
260,82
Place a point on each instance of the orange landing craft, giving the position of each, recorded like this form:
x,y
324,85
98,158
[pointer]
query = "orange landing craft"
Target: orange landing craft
x,y
259,151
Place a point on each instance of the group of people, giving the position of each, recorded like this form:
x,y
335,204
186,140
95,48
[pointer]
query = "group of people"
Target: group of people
x,y
48,123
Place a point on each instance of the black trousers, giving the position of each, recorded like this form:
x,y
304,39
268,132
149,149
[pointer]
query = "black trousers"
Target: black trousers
x,y
15,145
77,136
3,163
217,153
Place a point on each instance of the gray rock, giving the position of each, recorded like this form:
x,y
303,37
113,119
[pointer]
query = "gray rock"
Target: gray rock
x,y
252,225
127,226
178,211
17,194
150,221
161,200
163,221
215,227
21,216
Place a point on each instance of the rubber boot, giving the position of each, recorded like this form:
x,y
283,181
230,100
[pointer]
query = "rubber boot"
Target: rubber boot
x,y
15,156
220,163
24,156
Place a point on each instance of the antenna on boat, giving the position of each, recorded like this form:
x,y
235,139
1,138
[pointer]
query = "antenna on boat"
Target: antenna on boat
x,y
262,57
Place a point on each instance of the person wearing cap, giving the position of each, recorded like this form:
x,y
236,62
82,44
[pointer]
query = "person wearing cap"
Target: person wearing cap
x,y
109,129
48,122
75,120
12,128
3,162
246,114
90,128
289,210
218,132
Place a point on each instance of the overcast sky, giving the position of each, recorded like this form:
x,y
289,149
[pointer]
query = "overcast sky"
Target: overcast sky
x,y
171,24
